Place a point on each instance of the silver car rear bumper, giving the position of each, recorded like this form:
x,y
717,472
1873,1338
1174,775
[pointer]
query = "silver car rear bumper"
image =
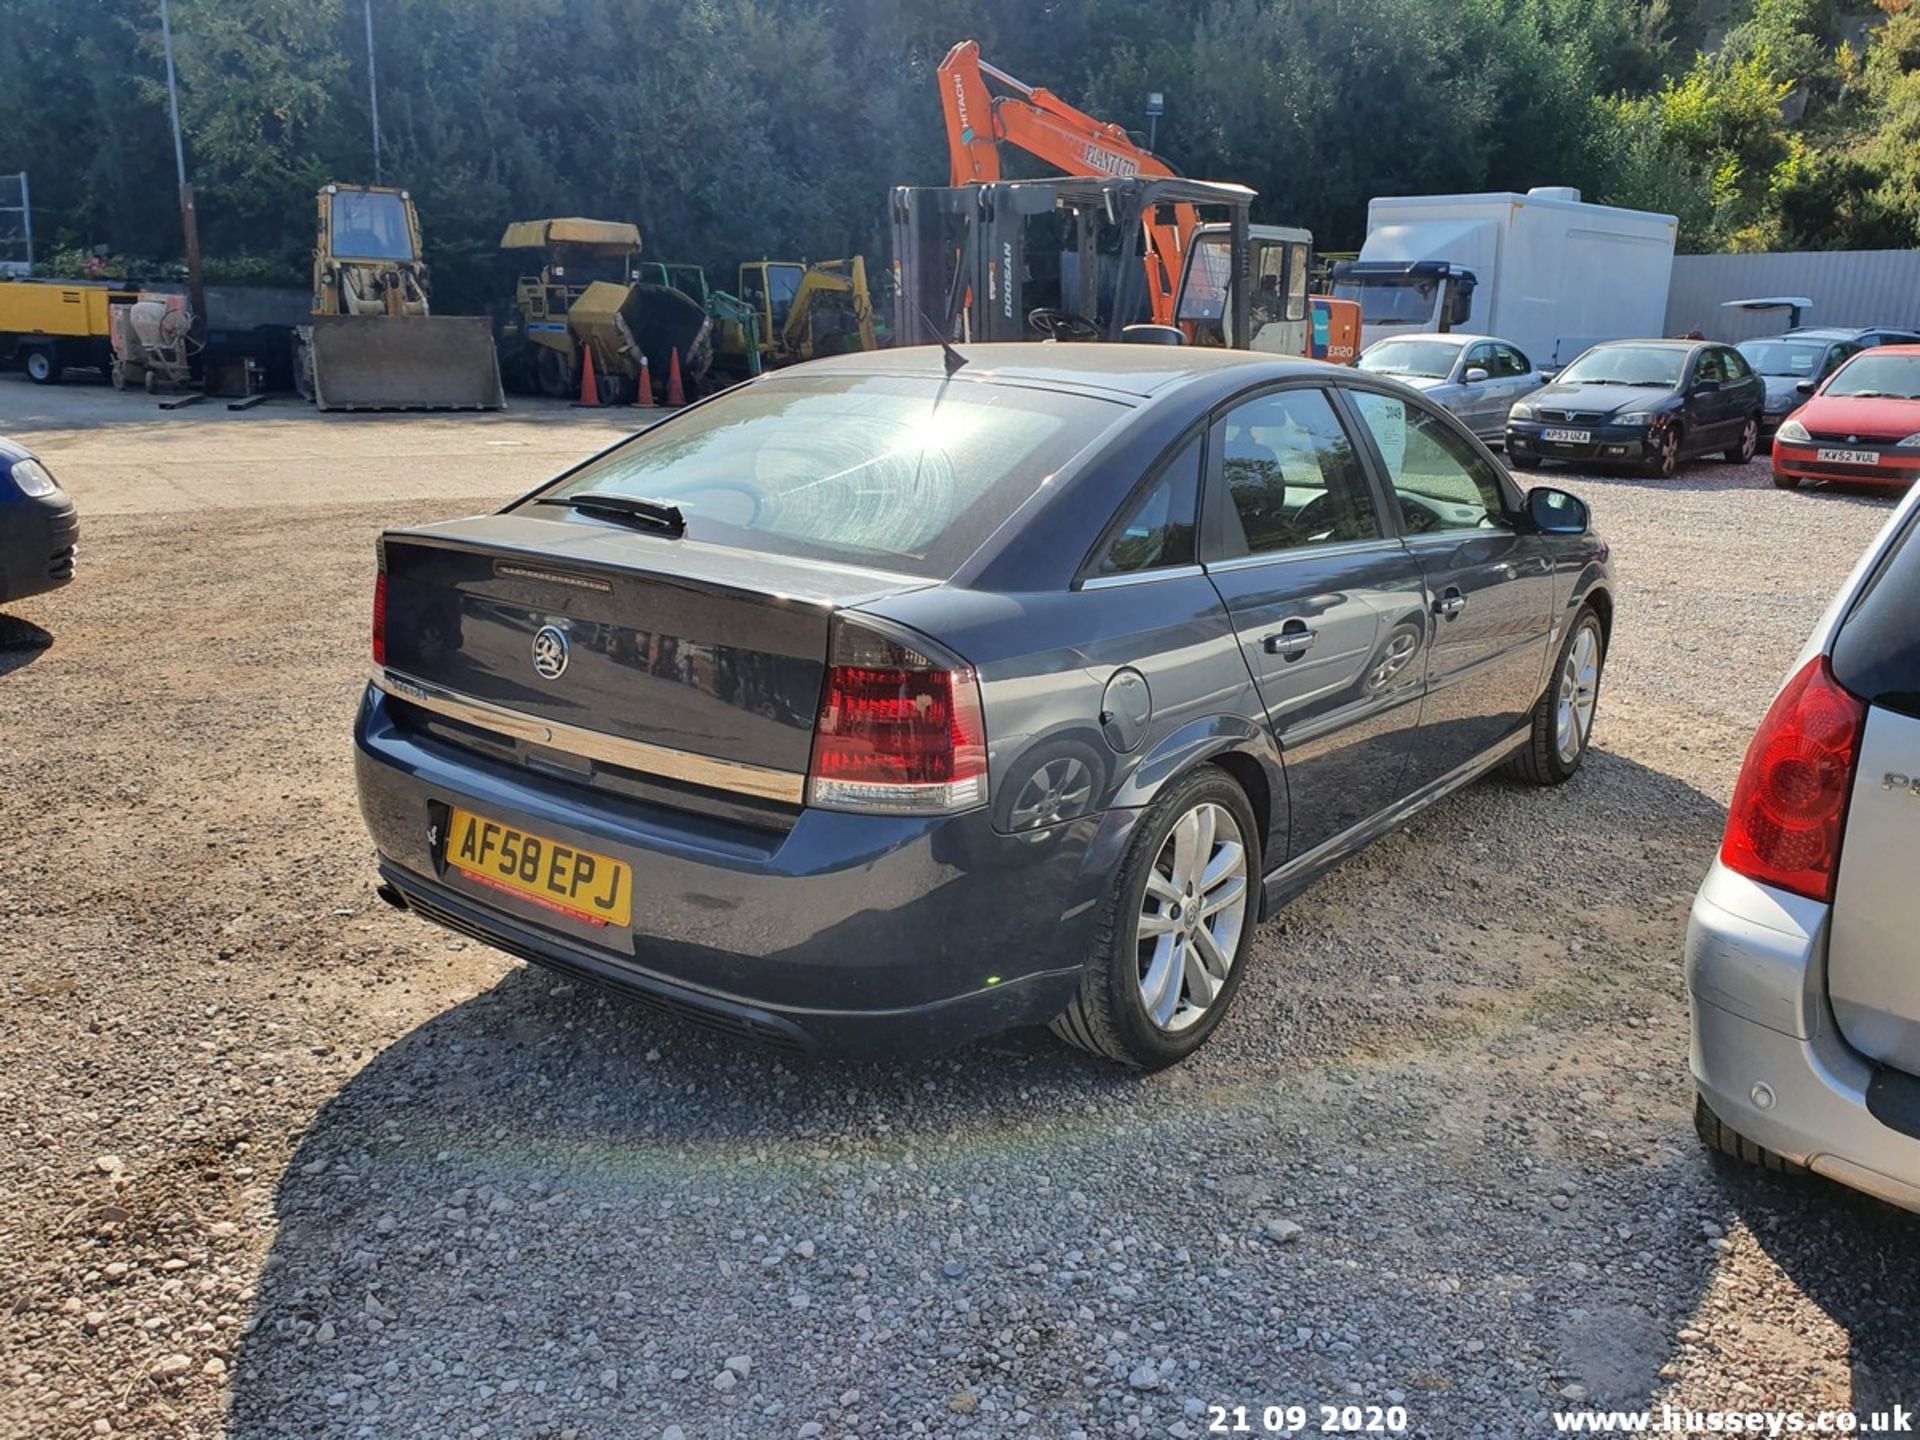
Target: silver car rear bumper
x,y
1766,1053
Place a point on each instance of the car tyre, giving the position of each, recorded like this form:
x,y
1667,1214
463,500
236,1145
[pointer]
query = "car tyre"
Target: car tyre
x,y
1523,462
1563,717
1785,482
1666,454
43,365
1723,1139
1110,1015
1748,445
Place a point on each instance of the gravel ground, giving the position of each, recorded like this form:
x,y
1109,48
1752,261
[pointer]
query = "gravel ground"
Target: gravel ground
x,y
284,1164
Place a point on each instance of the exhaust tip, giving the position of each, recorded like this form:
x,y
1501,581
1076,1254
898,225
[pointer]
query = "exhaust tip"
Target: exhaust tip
x,y
390,893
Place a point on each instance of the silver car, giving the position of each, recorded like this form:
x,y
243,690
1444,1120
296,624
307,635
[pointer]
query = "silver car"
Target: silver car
x,y
1477,377
1803,952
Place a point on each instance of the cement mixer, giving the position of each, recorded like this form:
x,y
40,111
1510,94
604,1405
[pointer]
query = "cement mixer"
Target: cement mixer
x,y
150,341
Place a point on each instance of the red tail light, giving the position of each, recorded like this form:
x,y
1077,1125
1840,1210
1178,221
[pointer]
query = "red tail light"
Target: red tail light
x,y
1790,805
900,732
380,618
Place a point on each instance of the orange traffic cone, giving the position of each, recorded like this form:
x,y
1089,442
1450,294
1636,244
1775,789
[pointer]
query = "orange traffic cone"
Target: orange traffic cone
x,y
589,387
676,392
643,395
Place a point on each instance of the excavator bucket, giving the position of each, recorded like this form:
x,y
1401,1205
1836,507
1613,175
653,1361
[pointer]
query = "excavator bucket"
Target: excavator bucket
x,y
405,362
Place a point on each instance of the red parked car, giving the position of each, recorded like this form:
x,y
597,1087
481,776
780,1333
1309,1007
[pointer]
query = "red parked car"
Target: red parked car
x,y
1862,424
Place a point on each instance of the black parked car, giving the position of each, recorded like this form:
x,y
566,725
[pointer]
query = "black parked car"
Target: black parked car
x,y
870,706
1793,364
38,527
1651,403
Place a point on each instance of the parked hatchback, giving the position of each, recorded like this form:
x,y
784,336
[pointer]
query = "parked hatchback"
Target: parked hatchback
x,y
870,706
1477,377
1803,954
1862,425
1650,403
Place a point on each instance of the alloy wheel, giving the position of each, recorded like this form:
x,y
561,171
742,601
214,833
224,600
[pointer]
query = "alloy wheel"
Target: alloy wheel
x,y
1669,456
1192,916
1579,689
1749,440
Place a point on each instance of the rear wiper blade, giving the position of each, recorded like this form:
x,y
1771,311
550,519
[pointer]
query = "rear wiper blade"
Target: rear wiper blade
x,y
653,514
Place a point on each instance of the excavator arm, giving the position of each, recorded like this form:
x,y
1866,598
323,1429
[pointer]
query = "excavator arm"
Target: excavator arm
x,y
1047,127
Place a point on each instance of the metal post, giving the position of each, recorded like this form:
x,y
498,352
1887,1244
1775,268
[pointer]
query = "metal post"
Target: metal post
x,y
26,219
1156,105
189,217
373,94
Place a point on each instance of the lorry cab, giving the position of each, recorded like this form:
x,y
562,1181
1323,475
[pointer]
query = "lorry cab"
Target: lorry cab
x,y
1406,297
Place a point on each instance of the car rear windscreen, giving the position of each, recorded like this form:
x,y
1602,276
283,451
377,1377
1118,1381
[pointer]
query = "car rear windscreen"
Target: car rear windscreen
x,y
1877,653
903,473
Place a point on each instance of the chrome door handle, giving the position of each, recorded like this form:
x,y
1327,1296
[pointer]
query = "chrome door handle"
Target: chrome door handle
x,y
1449,605
1292,642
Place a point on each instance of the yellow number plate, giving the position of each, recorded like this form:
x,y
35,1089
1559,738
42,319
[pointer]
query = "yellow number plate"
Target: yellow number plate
x,y
577,883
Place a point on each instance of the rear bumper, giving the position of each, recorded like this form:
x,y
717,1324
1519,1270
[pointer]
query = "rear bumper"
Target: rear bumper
x,y
1896,467
1765,1052
37,540
846,933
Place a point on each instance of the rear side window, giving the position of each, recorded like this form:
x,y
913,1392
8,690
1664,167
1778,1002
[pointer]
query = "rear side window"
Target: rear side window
x,y
1877,653
1511,361
1734,364
1157,529
906,473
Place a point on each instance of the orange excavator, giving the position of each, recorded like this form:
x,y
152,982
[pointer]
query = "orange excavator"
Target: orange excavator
x,y
1036,120
1041,123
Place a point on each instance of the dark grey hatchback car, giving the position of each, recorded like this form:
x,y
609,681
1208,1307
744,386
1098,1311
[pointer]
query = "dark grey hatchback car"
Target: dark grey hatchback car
x,y
872,707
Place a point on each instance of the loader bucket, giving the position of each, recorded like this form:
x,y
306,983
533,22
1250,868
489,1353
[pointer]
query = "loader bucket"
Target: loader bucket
x,y
405,362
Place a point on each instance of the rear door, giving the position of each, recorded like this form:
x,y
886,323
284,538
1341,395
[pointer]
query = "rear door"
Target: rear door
x,y
1873,952
1489,588
1329,607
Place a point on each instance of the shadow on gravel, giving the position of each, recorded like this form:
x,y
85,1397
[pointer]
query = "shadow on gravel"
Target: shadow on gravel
x,y
21,643
547,1213
1854,1257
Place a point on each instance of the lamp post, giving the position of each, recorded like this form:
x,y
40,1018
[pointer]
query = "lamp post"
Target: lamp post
x,y
189,217
373,95
1156,107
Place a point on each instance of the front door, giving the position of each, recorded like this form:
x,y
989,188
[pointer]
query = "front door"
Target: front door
x,y
1480,398
1329,607
1513,379
1489,589
1710,403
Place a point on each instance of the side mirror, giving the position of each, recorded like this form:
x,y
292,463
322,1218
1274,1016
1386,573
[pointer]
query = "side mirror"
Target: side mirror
x,y
1555,512
1549,374
1805,387
1474,375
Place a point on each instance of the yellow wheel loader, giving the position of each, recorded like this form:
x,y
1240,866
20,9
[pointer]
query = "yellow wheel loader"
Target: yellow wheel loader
x,y
373,343
589,294
803,312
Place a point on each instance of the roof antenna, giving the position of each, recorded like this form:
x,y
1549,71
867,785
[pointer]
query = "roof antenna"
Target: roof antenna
x,y
954,359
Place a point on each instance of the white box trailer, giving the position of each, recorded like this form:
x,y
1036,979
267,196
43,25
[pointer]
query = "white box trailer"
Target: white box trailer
x,y
1545,270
